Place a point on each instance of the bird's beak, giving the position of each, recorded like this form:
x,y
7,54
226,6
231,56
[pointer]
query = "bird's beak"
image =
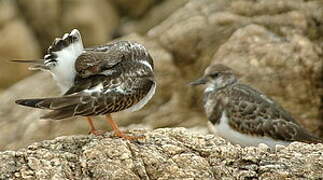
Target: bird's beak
x,y
200,81
35,64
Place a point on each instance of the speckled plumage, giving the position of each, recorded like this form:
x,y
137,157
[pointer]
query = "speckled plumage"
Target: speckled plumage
x,y
247,111
95,81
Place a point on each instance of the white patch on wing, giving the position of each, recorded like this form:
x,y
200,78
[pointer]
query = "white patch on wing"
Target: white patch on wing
x,y
107,72
65,36
96,89
117,89
46,56
146,64
144,100
64,72
225,131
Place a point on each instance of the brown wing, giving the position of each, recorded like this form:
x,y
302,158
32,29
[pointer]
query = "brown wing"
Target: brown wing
x,y
104,58
91,104
97,62
81,84
128,49
253,113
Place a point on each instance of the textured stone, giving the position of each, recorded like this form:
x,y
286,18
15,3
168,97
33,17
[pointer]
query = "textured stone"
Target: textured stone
x,y
43,17
153,17
96,19
132,9
209,23
21,126
163,154
269,42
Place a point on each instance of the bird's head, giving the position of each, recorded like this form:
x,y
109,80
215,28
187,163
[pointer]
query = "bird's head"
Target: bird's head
x,y
216,77
88,64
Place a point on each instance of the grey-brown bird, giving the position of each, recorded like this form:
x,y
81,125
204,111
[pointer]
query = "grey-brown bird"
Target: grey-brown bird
x,y
244,115
95,81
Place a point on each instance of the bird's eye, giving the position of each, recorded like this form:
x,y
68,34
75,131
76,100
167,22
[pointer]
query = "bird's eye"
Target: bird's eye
x,y
214,75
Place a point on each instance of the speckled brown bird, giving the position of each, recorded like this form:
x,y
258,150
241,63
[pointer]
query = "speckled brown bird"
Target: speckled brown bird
x,y
95,81
244,115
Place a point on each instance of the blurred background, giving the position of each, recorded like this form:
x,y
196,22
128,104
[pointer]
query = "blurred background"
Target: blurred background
x,y
276,45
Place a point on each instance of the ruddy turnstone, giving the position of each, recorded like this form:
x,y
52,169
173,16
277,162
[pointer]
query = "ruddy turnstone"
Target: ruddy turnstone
x,y
95,81
244,115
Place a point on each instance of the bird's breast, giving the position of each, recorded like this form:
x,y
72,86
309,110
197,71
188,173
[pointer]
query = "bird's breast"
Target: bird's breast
x,y
209,103
224,130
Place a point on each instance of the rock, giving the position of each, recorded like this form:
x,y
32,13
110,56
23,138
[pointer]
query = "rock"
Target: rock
x,y
97,20
204,25
131,9
269,42
170,153
187,29
21,126
44,17
153,17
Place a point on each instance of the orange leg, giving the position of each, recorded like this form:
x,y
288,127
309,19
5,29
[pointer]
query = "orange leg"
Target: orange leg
x,y
92,128
117,131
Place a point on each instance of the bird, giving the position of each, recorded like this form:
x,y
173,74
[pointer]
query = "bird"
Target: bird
x,y
244,115
100,80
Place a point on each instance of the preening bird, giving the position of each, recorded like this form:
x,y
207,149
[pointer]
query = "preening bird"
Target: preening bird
x,y
100,80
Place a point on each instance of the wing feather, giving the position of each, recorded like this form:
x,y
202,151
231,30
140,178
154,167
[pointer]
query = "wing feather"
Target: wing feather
x,y
251,112
90,104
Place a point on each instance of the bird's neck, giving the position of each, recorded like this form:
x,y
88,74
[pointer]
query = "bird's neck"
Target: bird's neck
x,y
218,85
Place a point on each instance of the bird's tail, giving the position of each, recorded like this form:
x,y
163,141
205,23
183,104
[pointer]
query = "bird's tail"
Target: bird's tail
x,y
316,140
69,46
309,138
63,107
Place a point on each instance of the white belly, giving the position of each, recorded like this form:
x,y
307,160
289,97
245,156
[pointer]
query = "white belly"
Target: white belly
x,y
225,131
144,100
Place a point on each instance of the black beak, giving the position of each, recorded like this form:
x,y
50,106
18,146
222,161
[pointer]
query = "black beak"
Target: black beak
x,y
36,61
200,81
35,64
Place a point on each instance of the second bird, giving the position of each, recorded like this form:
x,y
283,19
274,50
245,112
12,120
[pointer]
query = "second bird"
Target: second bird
x,y
244,115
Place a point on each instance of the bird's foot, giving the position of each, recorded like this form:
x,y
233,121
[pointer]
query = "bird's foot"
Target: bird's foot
x,y
96,132
130,138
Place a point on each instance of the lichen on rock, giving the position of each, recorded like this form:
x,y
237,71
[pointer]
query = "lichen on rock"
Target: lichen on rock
x,y
169,153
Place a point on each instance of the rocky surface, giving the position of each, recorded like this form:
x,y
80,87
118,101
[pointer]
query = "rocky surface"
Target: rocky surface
x,y
275,45
170,153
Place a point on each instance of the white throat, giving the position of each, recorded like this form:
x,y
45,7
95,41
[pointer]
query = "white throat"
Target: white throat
x,y
209,88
